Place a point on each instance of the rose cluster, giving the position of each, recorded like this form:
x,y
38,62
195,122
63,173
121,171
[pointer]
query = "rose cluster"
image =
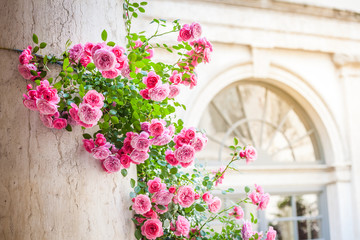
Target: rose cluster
x,y
110,61
247,232
249,153
25,66
156,90
259,198
214,203
45,99
237,212
88,113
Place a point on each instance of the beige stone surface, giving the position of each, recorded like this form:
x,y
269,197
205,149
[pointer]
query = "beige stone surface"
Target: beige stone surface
x,y
50,187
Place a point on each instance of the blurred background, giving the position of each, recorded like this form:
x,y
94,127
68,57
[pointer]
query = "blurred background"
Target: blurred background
x,y
285,78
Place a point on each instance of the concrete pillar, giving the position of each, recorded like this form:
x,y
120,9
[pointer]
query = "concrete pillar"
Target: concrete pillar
x,y
50,188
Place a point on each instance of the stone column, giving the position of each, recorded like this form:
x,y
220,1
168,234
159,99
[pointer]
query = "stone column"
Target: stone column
x,y
50,188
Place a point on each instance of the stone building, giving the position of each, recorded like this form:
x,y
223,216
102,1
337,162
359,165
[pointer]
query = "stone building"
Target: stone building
x,y
284,76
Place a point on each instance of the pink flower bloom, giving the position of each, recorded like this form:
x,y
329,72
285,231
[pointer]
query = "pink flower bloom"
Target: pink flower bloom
x,y
142,204
219,174
250,153
145,127
156,128
104,59
150,51
207,197
271,234
185,33
172,189
259,189
255,197
214,205
94,98
51,95
88,145
182,226
264,201
100,139
138,157
175,77
159,93
161,140
46,107
47,120
111,74
190,133
246,230
25,58
158,210
85,60
151,214
163,197
111,164
138,43
101,152
145,93
185,165
195,30
75,52
89,114
170,158
198,143
174,91
59,123
152,229
118,51
238,212
30,104
24,70
185,196
151,80
155,185
141,142
125,161
185,154
87,48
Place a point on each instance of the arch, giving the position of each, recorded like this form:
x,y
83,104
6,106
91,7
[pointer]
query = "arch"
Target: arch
x,y
291,83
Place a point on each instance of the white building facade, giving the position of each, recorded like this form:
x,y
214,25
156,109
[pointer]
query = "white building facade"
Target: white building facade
x,y
284,77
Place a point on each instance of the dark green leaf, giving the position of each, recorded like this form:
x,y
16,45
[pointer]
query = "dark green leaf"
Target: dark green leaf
x,y
138,234
199,207
114,120
36,49
43,74
68,128
42,45
124,172
173,170
132,183
86,136
33,72
35,38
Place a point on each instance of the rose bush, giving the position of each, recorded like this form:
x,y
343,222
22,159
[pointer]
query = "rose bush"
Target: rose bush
x,y
131,100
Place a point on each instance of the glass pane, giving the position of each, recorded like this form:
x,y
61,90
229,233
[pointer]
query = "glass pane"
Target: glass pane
x,y
279,207
309,229
285,230
307,205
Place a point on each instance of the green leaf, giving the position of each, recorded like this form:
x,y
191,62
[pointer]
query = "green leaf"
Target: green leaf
x,y
199,208
173,170
135,15
132,183
124,172
231,190
236,141
58,85
247,189
65,63
68,128
143,3
35,38
43,74
111,44
141,9
161,207
90,66
104,35
34,73
37,82
69,69
138,234
114,119
86,136
36,49
43,45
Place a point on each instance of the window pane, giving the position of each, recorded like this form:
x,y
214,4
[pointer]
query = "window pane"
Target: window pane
x,y
307,205
279,207
309,229
285,230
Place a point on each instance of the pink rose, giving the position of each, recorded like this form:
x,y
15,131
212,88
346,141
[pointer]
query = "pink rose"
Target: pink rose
x,y
264,201
97,47
255,197
174,91
155,185
175,77
163,197
151,214
246,230
207,197
185,33
85,60
111,74
100,139
46,120
190,133
195,30
150,51
89,114
193,81
30,104
198,143
156,128
111,164
87,48
185,154
151,80
94,98
145,127
118,51
170,158
152,229
250,153
185,196
259,189
145,93
125,161
138,157
51,95
138,43
141,143
238,212
24,70
25,58
101,152
60,123
142,204
76,51
161,140
215,205
46,107
88,145
172,189
159,93
104,59
182,226
271,234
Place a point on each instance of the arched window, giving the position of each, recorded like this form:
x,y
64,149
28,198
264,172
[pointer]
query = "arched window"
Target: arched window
x,y
268,118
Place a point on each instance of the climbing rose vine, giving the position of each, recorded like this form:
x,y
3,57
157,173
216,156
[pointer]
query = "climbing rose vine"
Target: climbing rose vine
x,y
131,100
